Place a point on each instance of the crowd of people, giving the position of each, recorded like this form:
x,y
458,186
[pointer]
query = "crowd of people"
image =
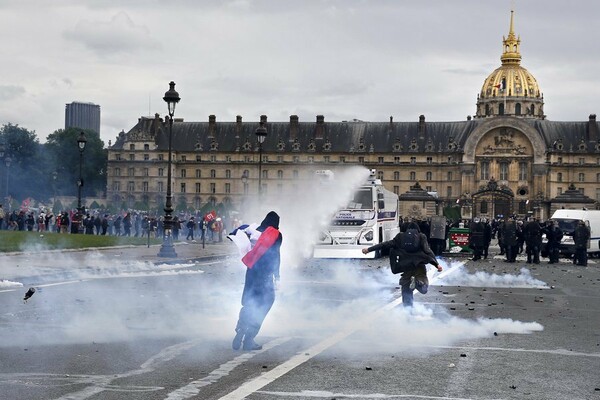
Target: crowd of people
x,y
207,228
514,235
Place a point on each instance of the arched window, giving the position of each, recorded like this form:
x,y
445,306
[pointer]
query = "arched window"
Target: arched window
x,y
518,109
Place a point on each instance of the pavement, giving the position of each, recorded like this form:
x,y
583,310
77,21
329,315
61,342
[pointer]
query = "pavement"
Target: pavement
x,y
18,265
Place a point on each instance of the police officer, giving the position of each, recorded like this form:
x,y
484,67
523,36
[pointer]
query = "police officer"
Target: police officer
x,y
554,234
581,236
532,233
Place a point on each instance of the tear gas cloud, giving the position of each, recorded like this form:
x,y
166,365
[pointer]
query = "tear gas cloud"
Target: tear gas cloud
x,y
462,277
126,309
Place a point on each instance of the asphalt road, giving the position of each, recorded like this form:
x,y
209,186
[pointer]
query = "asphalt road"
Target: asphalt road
x,y
486,330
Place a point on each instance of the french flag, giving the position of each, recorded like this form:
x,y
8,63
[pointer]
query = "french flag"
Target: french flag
x,y
501,85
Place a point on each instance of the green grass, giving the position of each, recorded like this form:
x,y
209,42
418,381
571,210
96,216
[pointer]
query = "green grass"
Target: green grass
x,y
35,241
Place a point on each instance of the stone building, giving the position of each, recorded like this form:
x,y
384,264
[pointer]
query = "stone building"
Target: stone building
x,y
507,159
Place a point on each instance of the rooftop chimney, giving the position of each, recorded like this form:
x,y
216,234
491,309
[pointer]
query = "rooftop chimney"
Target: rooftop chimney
x,y
212,124
238,126
293,127
421,126
320,127
593,128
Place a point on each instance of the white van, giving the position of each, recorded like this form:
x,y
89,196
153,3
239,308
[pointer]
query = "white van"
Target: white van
x,y
567,221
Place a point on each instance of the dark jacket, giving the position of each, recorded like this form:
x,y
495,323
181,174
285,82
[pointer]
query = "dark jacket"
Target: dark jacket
x,y
410,260
581,235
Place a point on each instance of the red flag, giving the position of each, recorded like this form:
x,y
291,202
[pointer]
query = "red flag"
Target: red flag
x,y
264,243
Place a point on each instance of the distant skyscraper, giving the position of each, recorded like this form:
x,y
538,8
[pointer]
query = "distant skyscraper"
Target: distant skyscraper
x,y
82,115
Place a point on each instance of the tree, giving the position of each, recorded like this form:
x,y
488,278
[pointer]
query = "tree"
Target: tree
x,y
27,173
65,155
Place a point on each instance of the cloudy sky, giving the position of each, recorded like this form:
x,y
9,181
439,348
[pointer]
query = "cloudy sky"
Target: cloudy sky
x,y
341,58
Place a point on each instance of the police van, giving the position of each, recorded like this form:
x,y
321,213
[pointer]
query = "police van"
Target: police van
x,y
567,222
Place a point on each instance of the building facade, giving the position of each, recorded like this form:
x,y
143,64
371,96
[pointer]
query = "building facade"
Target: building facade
x,y
507,159
83,116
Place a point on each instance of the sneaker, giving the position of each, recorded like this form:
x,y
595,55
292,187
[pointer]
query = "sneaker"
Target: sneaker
x,y
251,345
412,283
237,340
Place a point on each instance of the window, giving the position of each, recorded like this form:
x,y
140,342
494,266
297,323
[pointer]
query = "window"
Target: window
x,y
380,160
581,190
265,174
198,158
559,160
183,158
228,188
559,177
450,159
380,175
449,191
558,191
428,176
581,177
396,175
413,160
311,159
280,159
130,172
144,186
146,157
146,147
213,187
597,194
213,173
197,187
522,207
449,178
361,160
132,147
428,189
182,187
183,173
503,171
485,171
228,159
161,172
597,177
161,157
413,176
130,186
296,159
518,110
396,189
198,174
501,109
117,186
326,159
342,159
228,173
146,172
279,174
160,187
582,161
429,160
522,172
397,160
118,172
132,157
118,157
213,158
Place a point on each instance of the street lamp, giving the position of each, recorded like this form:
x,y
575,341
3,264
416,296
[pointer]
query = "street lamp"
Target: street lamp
x,y
81,142
7,161
261,135
167,249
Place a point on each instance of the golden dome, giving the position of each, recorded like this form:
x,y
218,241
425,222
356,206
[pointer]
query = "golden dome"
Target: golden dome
x,y
511,84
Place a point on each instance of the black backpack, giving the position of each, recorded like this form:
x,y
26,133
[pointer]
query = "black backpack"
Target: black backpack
x,y
411,241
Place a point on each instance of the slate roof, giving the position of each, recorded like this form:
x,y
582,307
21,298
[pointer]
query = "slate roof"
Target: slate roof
x,y
344,137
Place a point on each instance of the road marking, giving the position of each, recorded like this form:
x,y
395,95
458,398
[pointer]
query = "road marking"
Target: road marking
x,y
266,378
193,388
330,395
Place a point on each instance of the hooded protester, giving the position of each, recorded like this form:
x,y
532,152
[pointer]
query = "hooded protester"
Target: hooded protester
x,y
262,272
414,275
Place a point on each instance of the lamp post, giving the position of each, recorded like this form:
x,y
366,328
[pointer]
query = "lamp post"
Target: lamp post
x,y
261,135
81,142
166,249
